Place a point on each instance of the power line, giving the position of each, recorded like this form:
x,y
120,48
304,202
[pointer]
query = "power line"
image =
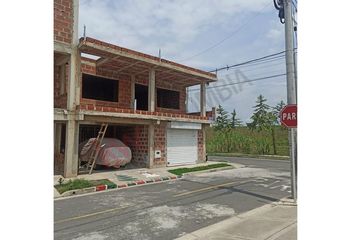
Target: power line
x,y
263,61
252,80
229,36
256,74
249,61
254,68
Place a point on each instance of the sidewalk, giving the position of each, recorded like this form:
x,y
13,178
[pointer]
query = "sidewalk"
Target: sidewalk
x,y
276,221
133,177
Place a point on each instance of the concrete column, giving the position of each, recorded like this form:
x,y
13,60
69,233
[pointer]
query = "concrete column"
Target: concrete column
x,y
74,81
152,90
62,78
71,99
151,145
187,99
71,149
57,137
72,125
73,95
74,63
202,99
132,91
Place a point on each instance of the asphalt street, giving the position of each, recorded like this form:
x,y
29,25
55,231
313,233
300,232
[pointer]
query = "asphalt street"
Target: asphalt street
x,y
271,164
169,210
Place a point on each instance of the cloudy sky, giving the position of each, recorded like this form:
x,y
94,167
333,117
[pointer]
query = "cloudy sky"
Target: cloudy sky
x,y
206,34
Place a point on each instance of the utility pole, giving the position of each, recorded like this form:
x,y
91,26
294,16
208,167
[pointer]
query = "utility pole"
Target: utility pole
x,y
285,15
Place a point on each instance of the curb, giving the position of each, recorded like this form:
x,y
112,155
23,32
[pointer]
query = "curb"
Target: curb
x,y
100,188
255,157
78,191
212,170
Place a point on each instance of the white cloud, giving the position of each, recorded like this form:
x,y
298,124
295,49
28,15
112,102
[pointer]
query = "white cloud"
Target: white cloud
x,y
131,23
182,28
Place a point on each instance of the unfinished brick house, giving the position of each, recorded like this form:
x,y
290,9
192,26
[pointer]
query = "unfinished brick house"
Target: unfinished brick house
x,y
141,97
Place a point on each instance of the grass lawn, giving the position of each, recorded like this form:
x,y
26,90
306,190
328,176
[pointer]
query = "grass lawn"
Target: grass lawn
x,y
81,183
180,171
245,141
249,156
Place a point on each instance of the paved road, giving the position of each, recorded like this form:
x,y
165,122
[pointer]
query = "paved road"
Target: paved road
x,y
273,165
168,210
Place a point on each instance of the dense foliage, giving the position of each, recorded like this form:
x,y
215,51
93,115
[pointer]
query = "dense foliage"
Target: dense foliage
x,y
263,135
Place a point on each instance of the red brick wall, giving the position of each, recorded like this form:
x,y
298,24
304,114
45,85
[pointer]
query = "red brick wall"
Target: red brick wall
x,y
136,137
124,93
160,144
211,115
59,164
124,102
63,20
60,101
200,146
169,86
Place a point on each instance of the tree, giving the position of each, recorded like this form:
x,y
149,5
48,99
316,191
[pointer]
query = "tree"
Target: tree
x,y
263,119
222,126
277,109
222,120
235,122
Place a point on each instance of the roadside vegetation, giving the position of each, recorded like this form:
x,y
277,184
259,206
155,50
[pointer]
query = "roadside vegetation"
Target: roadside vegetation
x,y
80,184
181,171
262,136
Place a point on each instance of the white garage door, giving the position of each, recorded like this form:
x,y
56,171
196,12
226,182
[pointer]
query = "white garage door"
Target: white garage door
x,y
182,146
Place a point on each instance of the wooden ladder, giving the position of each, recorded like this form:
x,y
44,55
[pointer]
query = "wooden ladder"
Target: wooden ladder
x,y
96,147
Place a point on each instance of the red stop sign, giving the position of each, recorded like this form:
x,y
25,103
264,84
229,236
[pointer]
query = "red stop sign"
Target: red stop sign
x,y
288,116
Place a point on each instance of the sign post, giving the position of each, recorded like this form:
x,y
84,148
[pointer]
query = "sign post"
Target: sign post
x,y
288,118
285,8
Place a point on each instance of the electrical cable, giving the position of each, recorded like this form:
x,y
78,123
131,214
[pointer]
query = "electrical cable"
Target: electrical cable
x,y
254,69
263,62
253,75
252,80
249,61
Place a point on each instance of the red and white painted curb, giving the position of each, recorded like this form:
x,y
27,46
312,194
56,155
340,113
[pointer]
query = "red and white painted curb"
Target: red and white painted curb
x,y
102,187
141,182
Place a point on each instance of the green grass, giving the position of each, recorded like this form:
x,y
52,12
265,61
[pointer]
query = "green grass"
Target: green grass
x,y
248,155
242,140
82,183
180,171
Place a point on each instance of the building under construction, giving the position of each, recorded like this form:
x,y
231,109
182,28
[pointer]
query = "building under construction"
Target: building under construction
x,y
141,97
